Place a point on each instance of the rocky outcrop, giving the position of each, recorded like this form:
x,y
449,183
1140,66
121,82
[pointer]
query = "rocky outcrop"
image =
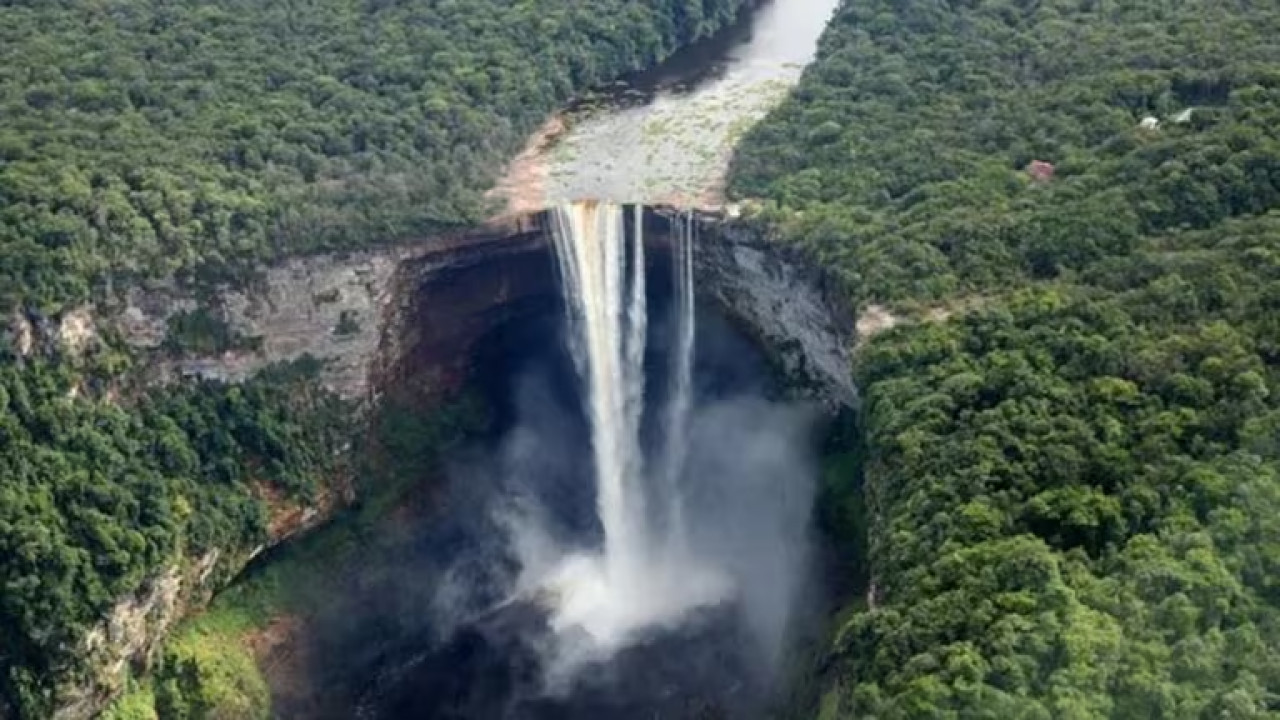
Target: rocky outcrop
x,y
792,305
346,310
326,306
72,332
131,632
404,314
21,335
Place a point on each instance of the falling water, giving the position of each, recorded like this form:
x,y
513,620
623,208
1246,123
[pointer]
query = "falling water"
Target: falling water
x,y
679,393
608,335
643,574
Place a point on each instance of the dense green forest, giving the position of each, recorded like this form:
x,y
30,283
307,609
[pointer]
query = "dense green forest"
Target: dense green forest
x,y
1071,462
1067,484
148,137
97,497
901,159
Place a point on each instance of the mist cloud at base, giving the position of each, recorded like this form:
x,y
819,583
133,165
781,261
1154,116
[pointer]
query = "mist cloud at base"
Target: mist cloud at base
x,y
747,491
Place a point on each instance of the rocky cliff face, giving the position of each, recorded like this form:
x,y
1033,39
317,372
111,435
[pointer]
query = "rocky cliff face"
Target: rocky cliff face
x,y
132,630
350,311
791,304
377,317
384,319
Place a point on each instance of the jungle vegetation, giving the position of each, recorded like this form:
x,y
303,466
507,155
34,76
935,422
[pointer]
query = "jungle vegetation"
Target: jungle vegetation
x,y
1071,461
144,138
97,498
148,139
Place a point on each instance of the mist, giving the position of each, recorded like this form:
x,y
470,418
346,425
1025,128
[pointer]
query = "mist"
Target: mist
x,y
526,619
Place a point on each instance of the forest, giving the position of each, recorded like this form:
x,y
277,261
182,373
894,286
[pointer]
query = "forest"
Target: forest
x,y
147,139
1065,475
1070,444
144,138
97,497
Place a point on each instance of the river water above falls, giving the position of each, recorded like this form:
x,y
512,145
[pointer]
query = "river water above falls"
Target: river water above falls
x,y
666,136
548,583
584,565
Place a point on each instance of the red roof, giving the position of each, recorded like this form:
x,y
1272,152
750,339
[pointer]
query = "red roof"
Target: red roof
x,y
1040,170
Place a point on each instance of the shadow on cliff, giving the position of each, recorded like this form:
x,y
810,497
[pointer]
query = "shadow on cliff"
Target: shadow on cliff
x,y
416,619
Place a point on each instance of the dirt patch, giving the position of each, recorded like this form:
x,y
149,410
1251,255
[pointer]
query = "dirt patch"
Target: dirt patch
x,y
274,644
523,187
709,199
875,319
282,653
287,517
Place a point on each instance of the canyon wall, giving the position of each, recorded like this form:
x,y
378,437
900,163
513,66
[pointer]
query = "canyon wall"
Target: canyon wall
x,y
386,319
792,305
375,317
347,310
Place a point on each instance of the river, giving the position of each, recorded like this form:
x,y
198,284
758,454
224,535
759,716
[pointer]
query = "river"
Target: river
x,y
666,136
424,627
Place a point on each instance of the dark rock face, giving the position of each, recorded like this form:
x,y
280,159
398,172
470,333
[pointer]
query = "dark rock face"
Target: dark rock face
x,y
791,305
415,315
444,303
493,670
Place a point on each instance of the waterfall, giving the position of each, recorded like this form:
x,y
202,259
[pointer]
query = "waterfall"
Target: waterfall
x,y
608,335
643,574
680,387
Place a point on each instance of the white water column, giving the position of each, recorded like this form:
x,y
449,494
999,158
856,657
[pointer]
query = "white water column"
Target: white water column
x,y
605,297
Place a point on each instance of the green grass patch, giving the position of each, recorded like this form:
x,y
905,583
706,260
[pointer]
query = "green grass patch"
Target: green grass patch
x,y
137,703
207,670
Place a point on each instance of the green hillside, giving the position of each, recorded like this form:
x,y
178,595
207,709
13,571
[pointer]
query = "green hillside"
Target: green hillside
x,y
1073,437
146,137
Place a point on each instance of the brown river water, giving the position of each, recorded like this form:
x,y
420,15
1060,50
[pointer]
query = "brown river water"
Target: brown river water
x,y
666,136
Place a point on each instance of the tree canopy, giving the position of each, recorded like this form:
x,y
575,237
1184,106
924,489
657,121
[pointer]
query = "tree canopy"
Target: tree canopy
x,y
144,137
96,497
1072,446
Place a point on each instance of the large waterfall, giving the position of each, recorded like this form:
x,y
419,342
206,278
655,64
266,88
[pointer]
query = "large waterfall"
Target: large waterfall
x,y
643,573
605,298
680,392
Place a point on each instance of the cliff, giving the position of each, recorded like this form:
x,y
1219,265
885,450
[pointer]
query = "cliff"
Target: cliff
x,y
791,304
398,318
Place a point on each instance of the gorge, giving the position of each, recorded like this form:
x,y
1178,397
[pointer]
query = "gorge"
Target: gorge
x,y
609,568
417,608
682,358
405,326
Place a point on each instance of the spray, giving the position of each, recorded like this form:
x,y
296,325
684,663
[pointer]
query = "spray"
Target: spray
x,y
641,577
680,390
